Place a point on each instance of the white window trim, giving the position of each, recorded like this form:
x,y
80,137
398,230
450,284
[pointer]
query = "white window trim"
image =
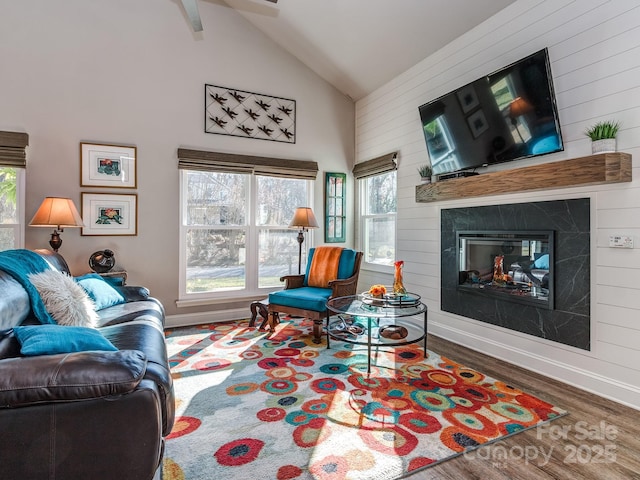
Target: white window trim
x,y
251,291
360,240
21,179
19,227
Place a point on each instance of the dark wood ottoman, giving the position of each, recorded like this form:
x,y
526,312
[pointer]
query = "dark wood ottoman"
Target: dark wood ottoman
x,y
260,307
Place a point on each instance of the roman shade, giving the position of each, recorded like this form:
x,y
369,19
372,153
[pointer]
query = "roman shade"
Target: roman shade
x,y
12,149
376,166
232,163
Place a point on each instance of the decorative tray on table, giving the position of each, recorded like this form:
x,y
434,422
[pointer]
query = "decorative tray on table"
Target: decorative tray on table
x,y
392,299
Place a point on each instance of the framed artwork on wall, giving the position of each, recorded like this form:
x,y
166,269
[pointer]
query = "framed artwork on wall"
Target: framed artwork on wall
x,y
477,123
107,165
109,214
335,195
468,98
229,111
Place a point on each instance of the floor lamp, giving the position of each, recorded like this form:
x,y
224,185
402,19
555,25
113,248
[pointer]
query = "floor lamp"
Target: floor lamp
x,y
303,219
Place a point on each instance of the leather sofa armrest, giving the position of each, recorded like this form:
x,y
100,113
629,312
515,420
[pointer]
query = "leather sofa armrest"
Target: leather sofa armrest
x,y
292,281
54,259
69,377
133,293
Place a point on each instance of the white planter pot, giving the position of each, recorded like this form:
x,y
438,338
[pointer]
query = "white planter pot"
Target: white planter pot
x,y
605,145
426,179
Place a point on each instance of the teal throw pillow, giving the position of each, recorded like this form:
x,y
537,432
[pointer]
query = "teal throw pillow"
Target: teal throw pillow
x,y
52,339
100,291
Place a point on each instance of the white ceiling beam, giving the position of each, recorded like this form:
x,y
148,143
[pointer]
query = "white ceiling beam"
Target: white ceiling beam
x,y
191,8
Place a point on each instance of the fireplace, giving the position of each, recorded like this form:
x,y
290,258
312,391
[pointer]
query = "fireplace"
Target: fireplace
x,y
554,302
515,266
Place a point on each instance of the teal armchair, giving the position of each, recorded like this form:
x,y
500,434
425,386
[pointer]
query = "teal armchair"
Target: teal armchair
x,y
300,297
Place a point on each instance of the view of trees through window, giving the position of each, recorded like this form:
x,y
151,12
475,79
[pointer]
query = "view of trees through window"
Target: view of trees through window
x,y
8,208
236,235
379,218
277,200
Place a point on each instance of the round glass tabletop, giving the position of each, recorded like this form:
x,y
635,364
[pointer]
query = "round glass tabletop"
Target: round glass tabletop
x,y
391,306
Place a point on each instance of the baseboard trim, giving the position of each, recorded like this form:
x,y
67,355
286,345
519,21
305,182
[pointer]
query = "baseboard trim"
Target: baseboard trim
x,y
620,392
189,319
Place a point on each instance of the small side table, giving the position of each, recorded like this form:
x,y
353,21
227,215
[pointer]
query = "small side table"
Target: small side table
x,y
378,314
115,277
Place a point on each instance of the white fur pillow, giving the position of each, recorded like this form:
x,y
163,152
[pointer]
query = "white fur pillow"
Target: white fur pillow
x,y
65,300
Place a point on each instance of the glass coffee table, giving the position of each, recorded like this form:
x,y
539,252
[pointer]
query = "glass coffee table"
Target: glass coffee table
x,y
391,321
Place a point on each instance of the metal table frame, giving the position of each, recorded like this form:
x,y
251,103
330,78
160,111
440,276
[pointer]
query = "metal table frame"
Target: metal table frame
x,y
375,310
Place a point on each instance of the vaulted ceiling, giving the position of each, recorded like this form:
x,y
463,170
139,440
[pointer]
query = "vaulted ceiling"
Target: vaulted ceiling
x,y
359,45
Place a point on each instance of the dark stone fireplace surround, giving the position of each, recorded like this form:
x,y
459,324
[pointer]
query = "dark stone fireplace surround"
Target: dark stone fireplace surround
x,y
569,321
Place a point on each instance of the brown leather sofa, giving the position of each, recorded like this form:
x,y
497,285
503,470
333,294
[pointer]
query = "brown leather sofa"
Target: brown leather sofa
x,y
90,414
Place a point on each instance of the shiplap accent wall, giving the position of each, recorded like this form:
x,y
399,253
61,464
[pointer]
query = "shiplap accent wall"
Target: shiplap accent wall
x,y
594,48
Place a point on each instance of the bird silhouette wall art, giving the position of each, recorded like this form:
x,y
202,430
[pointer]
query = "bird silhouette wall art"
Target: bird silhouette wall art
x,y
229,111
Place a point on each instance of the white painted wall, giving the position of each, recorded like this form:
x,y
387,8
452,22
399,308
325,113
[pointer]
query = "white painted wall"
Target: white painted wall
x,y
594,46
133,72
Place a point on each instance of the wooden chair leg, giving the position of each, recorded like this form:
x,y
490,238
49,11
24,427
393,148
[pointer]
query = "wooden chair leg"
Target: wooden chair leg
x,y
317,331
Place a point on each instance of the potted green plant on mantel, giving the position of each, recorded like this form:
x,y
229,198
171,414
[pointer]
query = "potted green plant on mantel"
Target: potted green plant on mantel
x,y
425,172
603,136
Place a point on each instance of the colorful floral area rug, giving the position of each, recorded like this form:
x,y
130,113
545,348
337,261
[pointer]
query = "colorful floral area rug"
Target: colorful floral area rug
x,y
254,405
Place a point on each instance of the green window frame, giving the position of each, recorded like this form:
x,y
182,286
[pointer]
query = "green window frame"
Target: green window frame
x,y
335,195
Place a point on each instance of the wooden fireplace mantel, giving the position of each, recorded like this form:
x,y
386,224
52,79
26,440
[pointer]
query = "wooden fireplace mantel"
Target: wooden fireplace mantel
x,y
596,169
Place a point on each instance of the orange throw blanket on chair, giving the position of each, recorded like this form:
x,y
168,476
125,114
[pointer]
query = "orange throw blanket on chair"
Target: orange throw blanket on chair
x,y
324,266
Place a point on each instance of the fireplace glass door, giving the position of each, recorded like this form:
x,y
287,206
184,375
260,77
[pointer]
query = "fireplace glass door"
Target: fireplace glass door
x,y
514,266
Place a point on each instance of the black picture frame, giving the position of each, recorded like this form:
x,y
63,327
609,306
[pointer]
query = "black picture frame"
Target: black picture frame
x,y
477,123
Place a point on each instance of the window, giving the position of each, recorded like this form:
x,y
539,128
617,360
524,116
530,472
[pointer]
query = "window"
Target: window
x,y
441,146
377,196
234,232
277,244
11,208
378,218
13,161
505,94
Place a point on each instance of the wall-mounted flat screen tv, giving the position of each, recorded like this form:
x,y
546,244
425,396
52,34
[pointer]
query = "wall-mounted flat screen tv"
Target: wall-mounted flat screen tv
x,y
508,115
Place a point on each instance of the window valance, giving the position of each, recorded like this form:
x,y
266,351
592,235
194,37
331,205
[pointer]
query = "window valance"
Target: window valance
x,y
12,149
376,166
233,163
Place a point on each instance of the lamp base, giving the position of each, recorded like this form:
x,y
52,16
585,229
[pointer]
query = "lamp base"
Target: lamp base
x,y
56,241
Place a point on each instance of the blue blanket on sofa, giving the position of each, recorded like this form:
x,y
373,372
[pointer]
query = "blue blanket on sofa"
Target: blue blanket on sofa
x,y
20,264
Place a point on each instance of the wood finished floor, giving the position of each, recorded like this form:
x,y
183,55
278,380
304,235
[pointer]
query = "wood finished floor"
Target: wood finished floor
x,y
556,451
